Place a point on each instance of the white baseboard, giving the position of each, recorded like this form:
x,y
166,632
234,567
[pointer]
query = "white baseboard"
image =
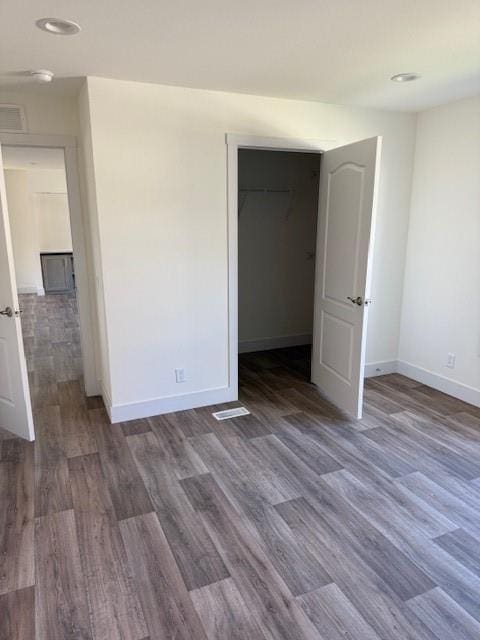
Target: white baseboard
x,y
381,368
436,381
264,344
157,406
107,400
40,291
94,389
26,289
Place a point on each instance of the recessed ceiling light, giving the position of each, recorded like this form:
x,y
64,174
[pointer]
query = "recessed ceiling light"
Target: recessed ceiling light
x,y
405,77
42,75
58,27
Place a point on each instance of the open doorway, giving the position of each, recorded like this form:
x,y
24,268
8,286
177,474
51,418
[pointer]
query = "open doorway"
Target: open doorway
x,y
42,245
277,221
347,197
44,263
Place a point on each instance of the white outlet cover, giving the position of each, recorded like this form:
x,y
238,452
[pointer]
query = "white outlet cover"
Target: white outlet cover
x,y
451,360
180,375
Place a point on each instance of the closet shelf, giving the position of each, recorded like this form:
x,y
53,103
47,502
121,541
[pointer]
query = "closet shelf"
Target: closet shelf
x,y
265,190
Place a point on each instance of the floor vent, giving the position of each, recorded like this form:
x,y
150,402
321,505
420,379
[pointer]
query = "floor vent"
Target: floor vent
x,y
231,413
12,118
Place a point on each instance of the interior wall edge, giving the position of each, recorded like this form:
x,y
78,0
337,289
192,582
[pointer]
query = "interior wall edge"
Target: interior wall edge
x,y
89,197
403,285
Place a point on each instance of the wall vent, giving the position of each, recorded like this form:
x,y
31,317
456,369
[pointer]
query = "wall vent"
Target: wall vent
x,y
12,118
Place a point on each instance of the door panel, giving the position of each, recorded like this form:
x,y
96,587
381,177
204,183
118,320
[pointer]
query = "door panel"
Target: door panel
x,y
336,345
348,179
15,407
341,246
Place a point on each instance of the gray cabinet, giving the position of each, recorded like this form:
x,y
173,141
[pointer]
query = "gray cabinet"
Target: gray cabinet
x,y
58,273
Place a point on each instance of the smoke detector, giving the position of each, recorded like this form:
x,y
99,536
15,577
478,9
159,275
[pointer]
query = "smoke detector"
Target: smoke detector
x,y
42,75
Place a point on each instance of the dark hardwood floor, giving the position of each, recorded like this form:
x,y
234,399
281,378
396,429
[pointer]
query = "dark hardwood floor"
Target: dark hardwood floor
x,y
290,523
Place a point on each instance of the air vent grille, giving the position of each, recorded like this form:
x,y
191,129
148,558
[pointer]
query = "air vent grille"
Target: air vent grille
x,y
231,413
12,118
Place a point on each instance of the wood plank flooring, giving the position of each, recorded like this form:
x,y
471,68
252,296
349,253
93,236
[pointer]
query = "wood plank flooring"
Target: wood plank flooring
x,y
293,523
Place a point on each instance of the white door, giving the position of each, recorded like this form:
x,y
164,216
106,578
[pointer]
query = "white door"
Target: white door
x,y
348,181
15,407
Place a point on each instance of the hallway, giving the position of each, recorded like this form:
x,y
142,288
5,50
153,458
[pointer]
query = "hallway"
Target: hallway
x,y
51,339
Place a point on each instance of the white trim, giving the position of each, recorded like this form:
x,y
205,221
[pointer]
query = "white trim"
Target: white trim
x,y
264,344
373,369
234,142
158,406
436,381
27,289
301,145
37,140
40,291
69,146
107,400
429,378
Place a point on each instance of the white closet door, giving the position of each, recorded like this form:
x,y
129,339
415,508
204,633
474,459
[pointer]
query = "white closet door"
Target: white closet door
x,y
348,185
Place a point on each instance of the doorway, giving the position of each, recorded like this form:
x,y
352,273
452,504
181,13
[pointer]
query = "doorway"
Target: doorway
x,y
44,289
344,248
43,256
277,220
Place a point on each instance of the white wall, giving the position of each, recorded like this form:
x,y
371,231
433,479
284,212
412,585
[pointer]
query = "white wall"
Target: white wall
x,y
48,188
39,221
276,247
47,180
53,216
159,161
441,303
24,230
47,111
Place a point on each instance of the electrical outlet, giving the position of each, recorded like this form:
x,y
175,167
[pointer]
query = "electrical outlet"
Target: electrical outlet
x,y
450,361
180,375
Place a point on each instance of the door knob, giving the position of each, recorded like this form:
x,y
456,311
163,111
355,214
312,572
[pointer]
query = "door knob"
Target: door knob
x,y
358,300
8,311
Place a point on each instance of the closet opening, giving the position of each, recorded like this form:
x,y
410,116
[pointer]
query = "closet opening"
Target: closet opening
x,y
278,195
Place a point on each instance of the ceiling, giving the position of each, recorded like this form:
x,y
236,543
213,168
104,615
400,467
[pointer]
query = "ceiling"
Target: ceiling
x,y
340,51
32,158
